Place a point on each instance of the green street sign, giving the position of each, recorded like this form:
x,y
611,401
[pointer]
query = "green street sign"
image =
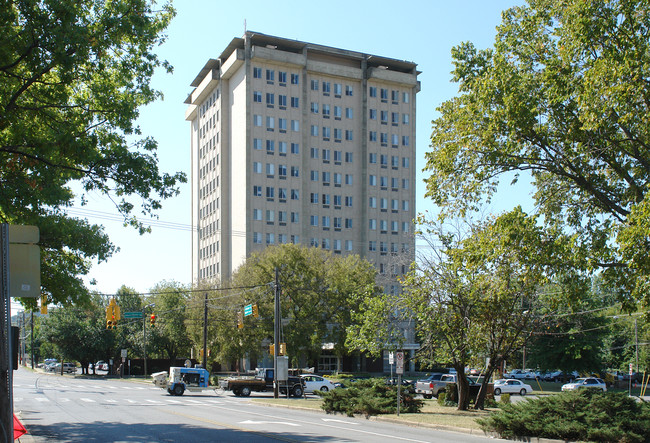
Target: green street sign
x,y
248,310
136,314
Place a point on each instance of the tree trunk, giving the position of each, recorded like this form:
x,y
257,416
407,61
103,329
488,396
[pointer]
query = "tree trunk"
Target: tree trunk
x,y
463,388
482,393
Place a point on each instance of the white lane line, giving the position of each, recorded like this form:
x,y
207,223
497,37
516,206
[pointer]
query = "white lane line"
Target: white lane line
x,y
111,401
176,402
42,399
87,400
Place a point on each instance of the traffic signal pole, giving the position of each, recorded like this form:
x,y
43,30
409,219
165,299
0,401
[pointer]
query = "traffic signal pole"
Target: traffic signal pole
x,y
204,361
276,335
6,382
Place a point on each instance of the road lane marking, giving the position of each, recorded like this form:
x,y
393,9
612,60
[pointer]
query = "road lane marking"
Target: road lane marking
x,y
111,401
340,421
42,399
264,422
87,400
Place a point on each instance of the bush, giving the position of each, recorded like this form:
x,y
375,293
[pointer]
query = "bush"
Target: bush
x,y
584,415
369,397
505,399
441,398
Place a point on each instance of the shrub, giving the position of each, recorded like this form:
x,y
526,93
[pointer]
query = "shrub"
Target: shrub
x,y
441,398
505,399
584,415
369,397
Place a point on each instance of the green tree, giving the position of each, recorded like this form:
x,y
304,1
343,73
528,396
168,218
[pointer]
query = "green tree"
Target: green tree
x,y
72,77
170,336
562,97
78,333
319,290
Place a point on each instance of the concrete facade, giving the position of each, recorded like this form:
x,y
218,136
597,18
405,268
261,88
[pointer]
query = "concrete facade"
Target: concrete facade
x,y
303,143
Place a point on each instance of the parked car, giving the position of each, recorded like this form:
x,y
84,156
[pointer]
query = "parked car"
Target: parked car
x,y
588,382
317,383
511,386
101,365
69,368
520,374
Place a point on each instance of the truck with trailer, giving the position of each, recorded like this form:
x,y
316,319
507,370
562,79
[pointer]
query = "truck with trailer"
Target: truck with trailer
x,y
262,381
182,379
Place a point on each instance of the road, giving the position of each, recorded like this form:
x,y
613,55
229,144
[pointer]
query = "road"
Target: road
x,y
75,409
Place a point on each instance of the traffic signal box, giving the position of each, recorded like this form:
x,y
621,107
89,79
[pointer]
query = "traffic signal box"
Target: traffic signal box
x,y
283,349
240,320
112,314
256,312
152,320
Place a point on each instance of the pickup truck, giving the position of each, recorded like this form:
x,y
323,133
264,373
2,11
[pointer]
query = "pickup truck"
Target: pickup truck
x,y
262,382
430,388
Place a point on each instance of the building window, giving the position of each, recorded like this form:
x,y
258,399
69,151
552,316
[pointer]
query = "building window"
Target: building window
x,y
270,146
270,192
314,85
326,110
373,91
337,89
348,90
326,88
282,100
372,224
257,72
314,108
338,156
383,158
372,114
348,201
405,227
372,136
270,75
257,97
282,170
394,118
372,158
270,98
372,202
282,124
348,113
326,199
282,238
257,120
337,245
372,180
295,102
326,155
282,193
257,238
257,214
405,97
257,167
313,198
405,140
337,178
270,238
348,134
326,132
383,225
295,171
313,220
314,130
405,205
394,204
295,79
270,123
257,191
394,161
295,194
295,148
348,245
295,217
314,176
383,139
383,203
394,140
394,183
313,152
384,116
282,77
348,223
372,246
405,119
326,243
282,147
384,94
348,157
295,125
405,162
383,181
326,221
257,144
338,134
348,179
337,112
326,177
270,215
394,96
314,243
405,183
338,222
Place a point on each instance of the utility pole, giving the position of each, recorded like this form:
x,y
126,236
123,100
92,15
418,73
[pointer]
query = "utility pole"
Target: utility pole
x,y
204,361
6,383
276,336
636,340
32,335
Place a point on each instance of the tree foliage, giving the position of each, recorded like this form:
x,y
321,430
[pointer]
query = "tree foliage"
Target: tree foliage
x,y
562,97
319,292
72,77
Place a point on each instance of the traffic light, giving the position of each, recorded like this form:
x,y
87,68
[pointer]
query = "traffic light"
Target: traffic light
x,y
109,324
240,320
112,314
256,312
283,349
152,320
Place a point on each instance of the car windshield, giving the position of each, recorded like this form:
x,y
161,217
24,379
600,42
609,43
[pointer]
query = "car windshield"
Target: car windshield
x,y
579,380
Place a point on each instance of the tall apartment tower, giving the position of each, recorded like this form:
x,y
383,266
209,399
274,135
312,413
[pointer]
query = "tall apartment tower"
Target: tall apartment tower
x,y
295,142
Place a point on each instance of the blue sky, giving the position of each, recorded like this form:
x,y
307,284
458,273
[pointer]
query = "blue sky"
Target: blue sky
x,y
421,31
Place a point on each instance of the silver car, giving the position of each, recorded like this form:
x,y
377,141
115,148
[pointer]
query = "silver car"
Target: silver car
x,y
587,382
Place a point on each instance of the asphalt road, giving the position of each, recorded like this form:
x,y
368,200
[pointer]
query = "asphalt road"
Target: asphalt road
x,y
75,409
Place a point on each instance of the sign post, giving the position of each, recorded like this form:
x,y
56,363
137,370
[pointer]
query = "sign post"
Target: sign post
x,y
391,362
399,369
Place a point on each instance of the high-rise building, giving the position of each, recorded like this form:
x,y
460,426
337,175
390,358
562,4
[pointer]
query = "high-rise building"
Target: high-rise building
x,y
295,142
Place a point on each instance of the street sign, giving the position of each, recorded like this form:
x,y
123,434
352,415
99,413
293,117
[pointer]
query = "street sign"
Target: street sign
x,y
399,368
391,358
136,314
123,353
248,310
